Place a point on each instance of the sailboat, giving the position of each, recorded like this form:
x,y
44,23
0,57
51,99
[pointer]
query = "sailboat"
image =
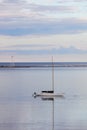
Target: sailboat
x,y
49,93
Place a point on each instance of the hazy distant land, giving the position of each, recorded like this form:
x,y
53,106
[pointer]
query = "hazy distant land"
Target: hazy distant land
x,y
42,64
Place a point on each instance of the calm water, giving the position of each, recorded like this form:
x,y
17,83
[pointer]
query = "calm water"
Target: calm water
x,y
20,111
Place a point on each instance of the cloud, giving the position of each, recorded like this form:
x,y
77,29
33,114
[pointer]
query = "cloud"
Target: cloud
x,y
80,0
30,46
51,8
11,1
18,17
54,51
70,1
14,9
47,42
64,26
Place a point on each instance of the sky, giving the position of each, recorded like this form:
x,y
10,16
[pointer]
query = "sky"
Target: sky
x,y
35,30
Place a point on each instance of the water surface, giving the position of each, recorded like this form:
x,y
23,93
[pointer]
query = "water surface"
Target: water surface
x,y
20,111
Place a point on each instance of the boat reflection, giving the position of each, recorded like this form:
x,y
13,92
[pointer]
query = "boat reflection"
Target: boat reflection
x,y
52,101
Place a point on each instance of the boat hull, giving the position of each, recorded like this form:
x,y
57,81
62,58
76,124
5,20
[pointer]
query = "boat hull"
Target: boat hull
x,y
49,95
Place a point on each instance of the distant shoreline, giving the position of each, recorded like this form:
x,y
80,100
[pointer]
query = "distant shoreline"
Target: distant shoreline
x,y
41,64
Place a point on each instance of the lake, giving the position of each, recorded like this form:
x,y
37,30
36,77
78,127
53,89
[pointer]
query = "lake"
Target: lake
x,y
19,110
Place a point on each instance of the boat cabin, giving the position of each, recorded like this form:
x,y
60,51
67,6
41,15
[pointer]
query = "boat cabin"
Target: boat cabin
x,y
48,91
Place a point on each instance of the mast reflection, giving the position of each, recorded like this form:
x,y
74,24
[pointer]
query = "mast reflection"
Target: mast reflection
x,y
52,101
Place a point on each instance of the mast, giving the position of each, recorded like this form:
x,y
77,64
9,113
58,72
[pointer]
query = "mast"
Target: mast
x,y
52,75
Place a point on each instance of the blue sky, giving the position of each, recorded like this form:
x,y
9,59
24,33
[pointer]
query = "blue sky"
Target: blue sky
x,y
37,29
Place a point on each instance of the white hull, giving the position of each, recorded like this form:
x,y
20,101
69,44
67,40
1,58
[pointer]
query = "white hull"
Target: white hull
x,y
49,95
